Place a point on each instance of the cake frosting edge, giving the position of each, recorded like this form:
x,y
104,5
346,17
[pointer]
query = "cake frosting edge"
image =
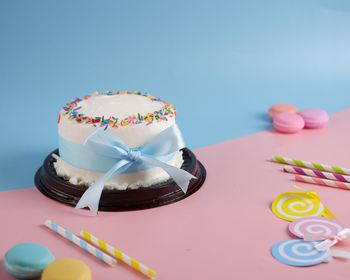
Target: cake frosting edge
x,y
134,130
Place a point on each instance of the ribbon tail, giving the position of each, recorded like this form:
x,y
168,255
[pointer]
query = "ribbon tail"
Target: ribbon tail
x,y
181,177
92,195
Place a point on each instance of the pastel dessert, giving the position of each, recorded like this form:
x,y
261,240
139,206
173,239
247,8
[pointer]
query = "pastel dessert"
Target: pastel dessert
x,y
282,108
27,260
288,122
314,118
132,117
67,269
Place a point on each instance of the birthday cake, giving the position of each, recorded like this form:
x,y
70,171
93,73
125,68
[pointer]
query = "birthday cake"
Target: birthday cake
x,y
134,118
119,151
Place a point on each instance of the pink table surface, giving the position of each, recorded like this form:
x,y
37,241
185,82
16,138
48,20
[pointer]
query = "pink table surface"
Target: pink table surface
x,y
224,231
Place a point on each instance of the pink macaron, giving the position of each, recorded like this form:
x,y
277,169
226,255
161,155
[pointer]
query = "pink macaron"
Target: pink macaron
x,y
288,122
282,108
314,118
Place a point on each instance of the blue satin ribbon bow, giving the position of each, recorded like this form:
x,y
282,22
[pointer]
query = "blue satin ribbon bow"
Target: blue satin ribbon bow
x,y
166,142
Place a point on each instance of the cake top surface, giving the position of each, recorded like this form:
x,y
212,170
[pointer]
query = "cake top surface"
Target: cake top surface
x,y
115,109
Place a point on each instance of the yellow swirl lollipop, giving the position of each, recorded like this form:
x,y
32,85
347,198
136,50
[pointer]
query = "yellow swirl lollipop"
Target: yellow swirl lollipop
x,y
295,204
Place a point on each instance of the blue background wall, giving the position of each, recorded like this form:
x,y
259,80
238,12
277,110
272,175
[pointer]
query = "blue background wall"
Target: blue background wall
x,y
222,63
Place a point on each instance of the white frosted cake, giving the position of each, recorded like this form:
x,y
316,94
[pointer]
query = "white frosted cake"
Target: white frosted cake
x,y
132,117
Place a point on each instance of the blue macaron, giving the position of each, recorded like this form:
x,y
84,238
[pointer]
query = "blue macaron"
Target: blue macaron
x,y
27,260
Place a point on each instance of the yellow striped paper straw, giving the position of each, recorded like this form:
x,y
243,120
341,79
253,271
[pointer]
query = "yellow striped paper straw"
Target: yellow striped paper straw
x,y
119,255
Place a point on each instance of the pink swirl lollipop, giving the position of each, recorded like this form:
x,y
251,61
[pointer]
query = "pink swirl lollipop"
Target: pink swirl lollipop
x,y
315,228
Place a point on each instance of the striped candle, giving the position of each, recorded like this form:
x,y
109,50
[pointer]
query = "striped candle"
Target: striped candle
x,y
316,173
118,254
313,165
322,182
81,243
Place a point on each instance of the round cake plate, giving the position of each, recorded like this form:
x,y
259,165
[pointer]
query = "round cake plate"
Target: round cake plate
x,y
57,188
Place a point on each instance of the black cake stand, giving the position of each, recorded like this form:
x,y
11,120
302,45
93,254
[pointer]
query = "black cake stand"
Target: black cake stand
x,y
57,188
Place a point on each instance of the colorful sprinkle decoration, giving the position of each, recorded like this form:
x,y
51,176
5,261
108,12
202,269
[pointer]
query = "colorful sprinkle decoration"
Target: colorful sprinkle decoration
x,y
72,111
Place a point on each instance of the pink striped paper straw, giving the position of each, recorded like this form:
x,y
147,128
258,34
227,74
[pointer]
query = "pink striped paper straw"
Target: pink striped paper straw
x,y
322,182
316,173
